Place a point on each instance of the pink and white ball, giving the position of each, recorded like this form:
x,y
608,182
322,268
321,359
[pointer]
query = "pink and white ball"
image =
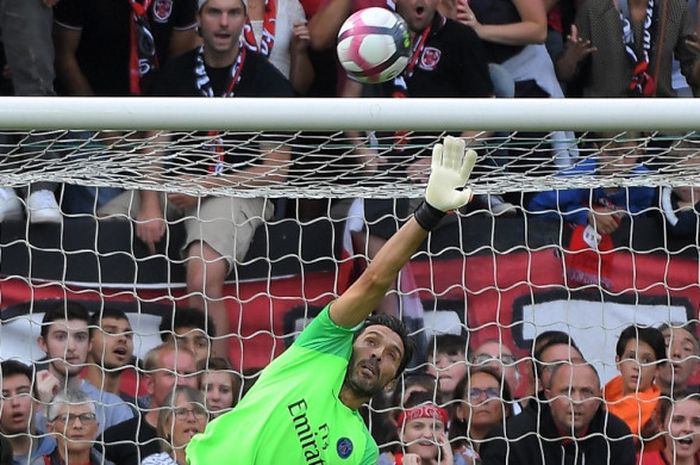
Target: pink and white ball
x,y
374,45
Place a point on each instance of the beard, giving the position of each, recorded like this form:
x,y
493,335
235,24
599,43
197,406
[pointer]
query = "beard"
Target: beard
x,y
359,384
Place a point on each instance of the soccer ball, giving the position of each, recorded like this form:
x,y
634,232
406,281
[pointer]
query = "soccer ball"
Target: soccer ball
x,y
374,45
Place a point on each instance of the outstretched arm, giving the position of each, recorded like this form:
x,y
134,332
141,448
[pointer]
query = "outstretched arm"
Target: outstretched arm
x,y
446,191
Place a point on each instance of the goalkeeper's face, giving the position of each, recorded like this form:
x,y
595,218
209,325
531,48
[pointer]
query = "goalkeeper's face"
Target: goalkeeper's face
x,y
376,357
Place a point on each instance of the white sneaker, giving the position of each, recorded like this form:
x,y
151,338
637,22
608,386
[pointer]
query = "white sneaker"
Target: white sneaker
x,y
10,204
42,207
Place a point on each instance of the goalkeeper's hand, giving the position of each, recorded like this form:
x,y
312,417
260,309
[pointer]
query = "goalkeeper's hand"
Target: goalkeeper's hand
x,y
449,173
450,170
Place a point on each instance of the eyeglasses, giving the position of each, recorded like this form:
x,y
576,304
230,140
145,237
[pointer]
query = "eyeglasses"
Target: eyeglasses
x,y
478,393
484,359
183,412
69,418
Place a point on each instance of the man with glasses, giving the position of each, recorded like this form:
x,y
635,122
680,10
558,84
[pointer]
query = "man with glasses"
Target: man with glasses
x,y
573,427
73,422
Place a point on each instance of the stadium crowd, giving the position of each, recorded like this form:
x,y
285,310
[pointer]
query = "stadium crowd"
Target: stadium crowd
x,y
90,401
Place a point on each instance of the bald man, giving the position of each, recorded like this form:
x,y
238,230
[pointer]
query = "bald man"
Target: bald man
x,y
573,422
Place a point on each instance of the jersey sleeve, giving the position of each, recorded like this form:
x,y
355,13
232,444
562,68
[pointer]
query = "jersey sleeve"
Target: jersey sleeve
x,y
323,335
371,456
69,14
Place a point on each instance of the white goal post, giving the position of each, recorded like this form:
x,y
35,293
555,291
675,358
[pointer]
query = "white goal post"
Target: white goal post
x,y
523,143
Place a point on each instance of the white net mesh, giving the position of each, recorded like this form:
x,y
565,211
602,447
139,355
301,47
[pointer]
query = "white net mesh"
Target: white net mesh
x,y
498,273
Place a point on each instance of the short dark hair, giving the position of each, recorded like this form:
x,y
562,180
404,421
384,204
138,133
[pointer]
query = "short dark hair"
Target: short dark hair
x,y
107,312
665,403
450,344
399,328
555,339
14,367
64,310
651,336
422,398
423,379
185,317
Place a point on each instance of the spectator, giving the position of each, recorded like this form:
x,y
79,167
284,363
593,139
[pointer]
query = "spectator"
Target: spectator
x,y
633,396
191,329
573,427
219,229
422,431
558,348
485,402
597,213
682,346
18,405
141,36
65,339
111,350
531,368
498,355
183,417
383,415
74,424
447,362
680,424
128,443
610,53
220,385
30,58
278,30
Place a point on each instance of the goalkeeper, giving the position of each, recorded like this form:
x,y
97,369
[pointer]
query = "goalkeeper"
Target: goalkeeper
x,y
303,409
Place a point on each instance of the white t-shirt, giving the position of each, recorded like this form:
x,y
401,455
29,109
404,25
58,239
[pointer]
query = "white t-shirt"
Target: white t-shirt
x,y
161,458
289,12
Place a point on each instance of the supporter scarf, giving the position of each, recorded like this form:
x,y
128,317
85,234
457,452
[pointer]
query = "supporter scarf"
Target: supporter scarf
x,y
268,33
642,84
400,87
142,54
424,411
206,89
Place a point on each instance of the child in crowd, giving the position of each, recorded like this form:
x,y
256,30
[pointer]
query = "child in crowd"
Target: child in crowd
x,y
633,396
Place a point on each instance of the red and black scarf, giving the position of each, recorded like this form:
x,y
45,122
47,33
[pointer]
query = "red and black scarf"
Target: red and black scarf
x,y
267,41
207,90
642,83
142,53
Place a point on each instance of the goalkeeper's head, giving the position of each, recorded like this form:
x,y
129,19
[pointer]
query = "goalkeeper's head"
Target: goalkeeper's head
x,y
380,352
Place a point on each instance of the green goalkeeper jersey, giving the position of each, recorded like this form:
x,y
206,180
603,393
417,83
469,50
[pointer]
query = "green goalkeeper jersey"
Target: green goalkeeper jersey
x,y
293,414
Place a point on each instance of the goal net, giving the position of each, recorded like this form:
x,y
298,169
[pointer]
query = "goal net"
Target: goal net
x,y
534,252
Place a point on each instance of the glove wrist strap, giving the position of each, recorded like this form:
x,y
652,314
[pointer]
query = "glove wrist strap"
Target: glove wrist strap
x,y
427,216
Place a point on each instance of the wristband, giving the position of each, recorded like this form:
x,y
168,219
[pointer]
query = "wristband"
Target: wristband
x,y
427,216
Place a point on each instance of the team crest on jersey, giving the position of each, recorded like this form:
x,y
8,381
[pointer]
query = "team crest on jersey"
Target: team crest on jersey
x,y
162,9
344,448
429,58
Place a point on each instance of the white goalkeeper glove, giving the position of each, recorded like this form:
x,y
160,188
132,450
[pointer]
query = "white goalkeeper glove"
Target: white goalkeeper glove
x,y
446,191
